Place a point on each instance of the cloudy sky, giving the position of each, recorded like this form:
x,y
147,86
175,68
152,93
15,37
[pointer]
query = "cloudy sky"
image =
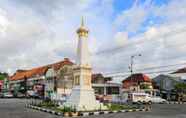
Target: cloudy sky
x,y
40,32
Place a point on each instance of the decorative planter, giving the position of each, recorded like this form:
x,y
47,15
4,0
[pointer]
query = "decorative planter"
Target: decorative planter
x,y
74,114
66,114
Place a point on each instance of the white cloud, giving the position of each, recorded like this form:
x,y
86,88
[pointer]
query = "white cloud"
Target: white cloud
x,y
121,38
132,18
44,32
3,22
173,11
38,33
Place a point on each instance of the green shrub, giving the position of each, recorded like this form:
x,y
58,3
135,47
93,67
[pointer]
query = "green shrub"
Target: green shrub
x,y
117,107
47,104
66,109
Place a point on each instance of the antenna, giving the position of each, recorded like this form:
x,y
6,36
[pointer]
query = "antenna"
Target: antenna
x,y
82,21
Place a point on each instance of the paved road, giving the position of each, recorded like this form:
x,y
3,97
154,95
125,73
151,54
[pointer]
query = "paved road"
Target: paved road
x,y
158,111
14,108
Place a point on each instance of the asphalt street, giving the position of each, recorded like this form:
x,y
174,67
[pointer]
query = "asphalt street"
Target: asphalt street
x,y
15,108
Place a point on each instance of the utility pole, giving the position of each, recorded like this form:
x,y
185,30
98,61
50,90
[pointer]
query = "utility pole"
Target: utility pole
x,y
25,86
131,65
65,82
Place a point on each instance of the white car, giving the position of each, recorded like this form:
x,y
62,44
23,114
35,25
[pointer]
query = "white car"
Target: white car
x,y
7,95
139,97
155,99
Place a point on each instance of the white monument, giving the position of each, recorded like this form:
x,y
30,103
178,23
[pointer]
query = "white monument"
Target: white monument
x,y
82,96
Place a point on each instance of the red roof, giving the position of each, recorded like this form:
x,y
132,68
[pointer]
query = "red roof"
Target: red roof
x,y
39,71
138,77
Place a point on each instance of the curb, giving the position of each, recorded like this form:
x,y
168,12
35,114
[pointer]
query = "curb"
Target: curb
x,y
110,112
68,114
176,103
44,110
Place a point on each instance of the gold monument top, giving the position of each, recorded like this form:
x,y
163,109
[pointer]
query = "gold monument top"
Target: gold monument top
x,y
82,31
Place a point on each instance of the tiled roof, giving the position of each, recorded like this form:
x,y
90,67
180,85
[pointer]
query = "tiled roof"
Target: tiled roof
x,y
39,71
99,75
138,77
182,70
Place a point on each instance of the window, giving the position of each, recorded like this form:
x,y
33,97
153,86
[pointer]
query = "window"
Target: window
x,y
99,90
112,90
77,81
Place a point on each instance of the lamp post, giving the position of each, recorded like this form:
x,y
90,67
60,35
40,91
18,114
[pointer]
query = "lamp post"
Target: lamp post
x,y
65,81
131,64
25,86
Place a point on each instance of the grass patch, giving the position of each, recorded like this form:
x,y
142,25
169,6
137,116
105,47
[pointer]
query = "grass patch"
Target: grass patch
x,y
117,107
47,104
65,109
111,107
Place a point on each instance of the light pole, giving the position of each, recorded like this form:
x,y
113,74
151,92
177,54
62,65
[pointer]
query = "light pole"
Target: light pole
x,y
131,64
65,81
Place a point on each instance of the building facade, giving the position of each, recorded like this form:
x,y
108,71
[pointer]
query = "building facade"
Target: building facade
x,y
166,85
138,82
59,80
24,81
104,88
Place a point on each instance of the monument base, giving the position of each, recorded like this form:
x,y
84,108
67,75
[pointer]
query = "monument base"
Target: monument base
x,y
83,99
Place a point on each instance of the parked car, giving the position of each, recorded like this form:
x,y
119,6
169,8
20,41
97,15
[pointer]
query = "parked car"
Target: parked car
x,y
20,95
30,93
7,95
1,95
156,99
139,97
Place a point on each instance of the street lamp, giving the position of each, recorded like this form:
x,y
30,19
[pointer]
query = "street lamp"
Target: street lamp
x,y
65,81
132,63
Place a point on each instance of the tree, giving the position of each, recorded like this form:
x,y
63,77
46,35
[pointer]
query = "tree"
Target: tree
x,y
3,75
180,87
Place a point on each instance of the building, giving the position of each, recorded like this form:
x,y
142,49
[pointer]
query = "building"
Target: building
x,y
3,82
104,87
180,73
166,84
137,81
34,79
1,85
59,80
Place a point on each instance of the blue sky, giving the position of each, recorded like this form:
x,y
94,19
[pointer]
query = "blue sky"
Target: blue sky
x,y
34,33
123,5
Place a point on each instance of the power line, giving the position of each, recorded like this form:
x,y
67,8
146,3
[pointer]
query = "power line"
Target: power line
x,y
111,51
149,68
163,60
151,72
156,67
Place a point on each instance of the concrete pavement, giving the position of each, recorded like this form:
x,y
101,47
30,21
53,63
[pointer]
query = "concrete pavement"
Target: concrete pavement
x,y
15,108
158,111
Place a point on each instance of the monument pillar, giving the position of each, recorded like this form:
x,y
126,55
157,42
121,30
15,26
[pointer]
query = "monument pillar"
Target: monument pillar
x,y
82,96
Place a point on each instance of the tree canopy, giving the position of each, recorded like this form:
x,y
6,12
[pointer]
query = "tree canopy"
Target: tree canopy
x,y
3,75
181,87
